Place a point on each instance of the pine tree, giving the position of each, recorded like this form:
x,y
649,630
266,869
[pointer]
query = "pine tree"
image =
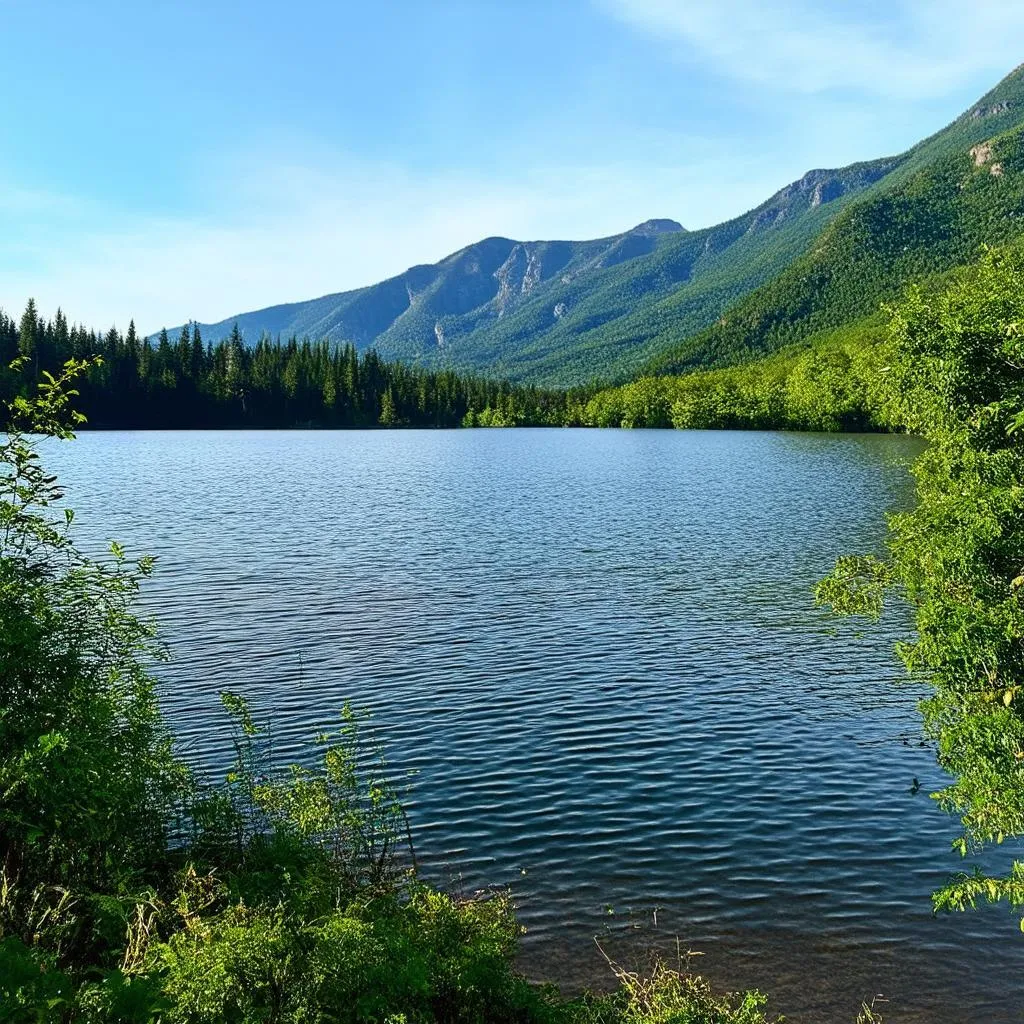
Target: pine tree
x,y
28,336
198,358
388,417
182,350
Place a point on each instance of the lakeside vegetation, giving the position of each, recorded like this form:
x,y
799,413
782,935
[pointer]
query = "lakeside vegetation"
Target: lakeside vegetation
x,y
954,374
825,384
830,382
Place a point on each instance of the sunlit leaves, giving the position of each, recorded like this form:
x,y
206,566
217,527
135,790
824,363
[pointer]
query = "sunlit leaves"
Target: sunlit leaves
x,y
957,557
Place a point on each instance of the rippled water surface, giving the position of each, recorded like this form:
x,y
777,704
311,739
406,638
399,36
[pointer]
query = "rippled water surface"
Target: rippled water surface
x,y
599,652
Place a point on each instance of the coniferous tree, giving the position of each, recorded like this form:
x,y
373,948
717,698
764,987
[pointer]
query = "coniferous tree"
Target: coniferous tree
x,y
28,336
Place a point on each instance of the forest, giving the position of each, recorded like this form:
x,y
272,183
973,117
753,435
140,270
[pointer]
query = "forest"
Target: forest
x,y
187,383
822,384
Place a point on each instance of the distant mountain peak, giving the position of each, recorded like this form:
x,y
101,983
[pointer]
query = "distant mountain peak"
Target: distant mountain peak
x,y
657,226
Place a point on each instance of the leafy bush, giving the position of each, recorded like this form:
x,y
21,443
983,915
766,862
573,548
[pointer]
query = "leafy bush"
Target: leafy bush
x,y
955,376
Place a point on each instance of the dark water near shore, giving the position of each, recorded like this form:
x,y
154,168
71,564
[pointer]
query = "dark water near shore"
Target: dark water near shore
x,y
598,650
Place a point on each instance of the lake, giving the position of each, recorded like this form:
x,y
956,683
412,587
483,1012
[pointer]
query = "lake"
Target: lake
x,y
599,652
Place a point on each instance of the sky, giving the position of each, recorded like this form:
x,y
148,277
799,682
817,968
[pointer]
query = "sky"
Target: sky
x,y
167,161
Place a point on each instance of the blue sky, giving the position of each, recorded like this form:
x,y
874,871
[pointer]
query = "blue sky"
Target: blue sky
x,y
167,160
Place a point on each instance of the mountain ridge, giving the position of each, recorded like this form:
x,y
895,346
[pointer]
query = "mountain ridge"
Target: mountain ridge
x,y
565,312
418,278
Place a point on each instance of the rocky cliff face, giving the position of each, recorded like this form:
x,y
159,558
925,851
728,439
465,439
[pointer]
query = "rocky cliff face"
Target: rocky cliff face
x,y
518,275
991,110
817,188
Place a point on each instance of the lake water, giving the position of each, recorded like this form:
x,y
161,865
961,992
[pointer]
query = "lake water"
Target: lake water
x,y
599,651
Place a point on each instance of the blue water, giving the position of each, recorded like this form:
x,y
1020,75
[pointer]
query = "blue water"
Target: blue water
x,y
599,652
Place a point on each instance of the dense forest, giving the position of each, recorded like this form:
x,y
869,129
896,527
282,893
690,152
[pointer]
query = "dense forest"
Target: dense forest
x,y
189,383
823,384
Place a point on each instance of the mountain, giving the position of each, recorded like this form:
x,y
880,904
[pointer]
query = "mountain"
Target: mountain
x,y
546,310
660,298
417,315
952,194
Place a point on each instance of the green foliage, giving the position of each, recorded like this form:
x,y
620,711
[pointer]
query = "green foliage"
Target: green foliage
x,y
856,586
32,989
344,811
955,376
667,995
868,1014
86,775
966,889
828,384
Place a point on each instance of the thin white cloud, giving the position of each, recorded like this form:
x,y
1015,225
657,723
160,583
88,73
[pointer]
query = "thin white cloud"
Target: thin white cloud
x,y
292,233
917,49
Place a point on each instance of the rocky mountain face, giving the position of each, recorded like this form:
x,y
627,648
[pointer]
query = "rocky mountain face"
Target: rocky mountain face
x,y
564,312
428,304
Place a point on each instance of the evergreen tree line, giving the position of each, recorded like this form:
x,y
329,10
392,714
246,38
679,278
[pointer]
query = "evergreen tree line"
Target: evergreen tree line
x,y
191,383
187,382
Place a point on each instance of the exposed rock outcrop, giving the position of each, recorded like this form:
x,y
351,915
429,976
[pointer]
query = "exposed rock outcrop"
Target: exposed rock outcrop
x,y
996,108
532,273
981,154
510,276
815,189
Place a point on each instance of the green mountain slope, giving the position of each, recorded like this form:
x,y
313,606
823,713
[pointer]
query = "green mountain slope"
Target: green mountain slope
x,y
936,219
949,195
408,314
611,317
550,311
824,249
